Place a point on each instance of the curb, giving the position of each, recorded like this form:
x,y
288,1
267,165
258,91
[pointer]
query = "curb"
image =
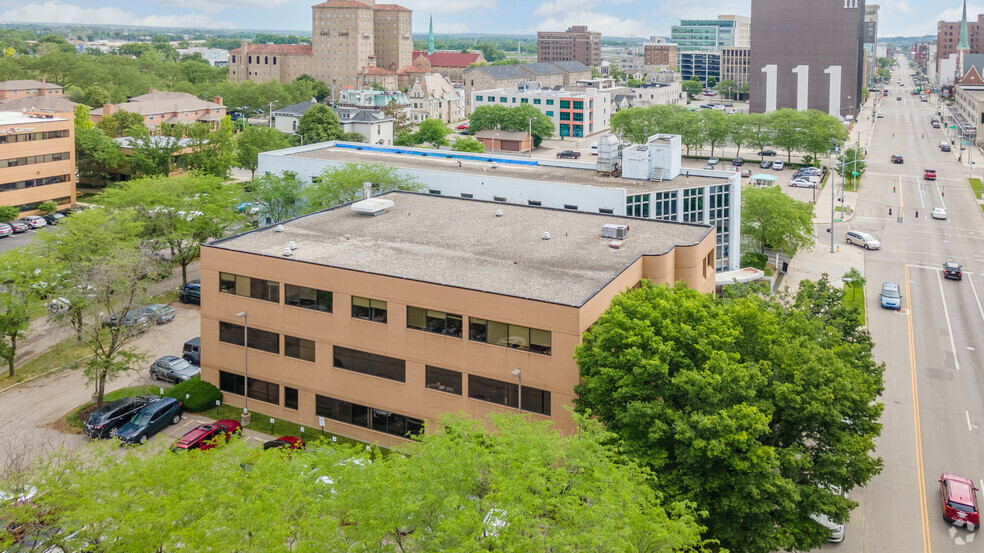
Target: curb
x,y
42,375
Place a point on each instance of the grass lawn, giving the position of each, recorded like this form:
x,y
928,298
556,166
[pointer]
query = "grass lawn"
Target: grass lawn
x,y
975,185
851,185
62,355
854,297
261,423
75,419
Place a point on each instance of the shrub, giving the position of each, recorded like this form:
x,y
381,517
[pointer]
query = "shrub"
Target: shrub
x,y
754,259
201,395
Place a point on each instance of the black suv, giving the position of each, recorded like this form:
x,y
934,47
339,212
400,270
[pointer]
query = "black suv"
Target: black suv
x,y
952,270
105,421
191,292
897,159
569,154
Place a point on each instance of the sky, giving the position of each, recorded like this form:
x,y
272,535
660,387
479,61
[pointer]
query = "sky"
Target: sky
x,y
639,18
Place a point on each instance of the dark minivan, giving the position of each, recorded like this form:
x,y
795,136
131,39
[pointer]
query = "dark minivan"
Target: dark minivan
x,y
106,421
191,292
150,420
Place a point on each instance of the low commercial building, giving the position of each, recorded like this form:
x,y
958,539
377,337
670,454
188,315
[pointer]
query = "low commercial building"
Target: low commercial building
x,y
657,94
370,123
644,181
159,107
29,88
371,98
575,114
967,113
505,141
488,77
372,324
37,160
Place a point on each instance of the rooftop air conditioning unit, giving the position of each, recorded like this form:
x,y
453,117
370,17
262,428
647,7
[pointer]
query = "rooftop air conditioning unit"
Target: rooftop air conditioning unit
x,y
372,206
618,232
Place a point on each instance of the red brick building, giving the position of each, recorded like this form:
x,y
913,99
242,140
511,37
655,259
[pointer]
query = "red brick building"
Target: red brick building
x,y
948,35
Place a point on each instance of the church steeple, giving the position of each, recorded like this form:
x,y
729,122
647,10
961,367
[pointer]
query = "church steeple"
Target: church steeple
x,y
430,35
963,43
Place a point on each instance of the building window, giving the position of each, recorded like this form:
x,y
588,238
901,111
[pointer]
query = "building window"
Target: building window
x,y
606,211
370,310
572,207
665,206
255,288
509,335
264,391
577,131
498,198
565,116
275,60
507,393
290,398
578,116
232,383
549,114
524,101
299,348
262,340
637,205
565,104
565,130
693,205
434,192
467,196
370,363
437,322
550,102
31,160
442,380
536,101
307,298
359,415
534,202
503,99
478,98
578,104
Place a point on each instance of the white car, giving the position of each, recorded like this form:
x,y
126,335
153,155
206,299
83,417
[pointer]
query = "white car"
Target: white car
x,y
777,165
939,213
881,115
34,221
802,183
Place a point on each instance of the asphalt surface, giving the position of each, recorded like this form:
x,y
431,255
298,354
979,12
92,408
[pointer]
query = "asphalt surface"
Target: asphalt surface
x,y
933,347
12,241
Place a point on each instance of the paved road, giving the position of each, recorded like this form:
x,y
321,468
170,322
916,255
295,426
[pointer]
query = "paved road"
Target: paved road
x,y
17,240
934,378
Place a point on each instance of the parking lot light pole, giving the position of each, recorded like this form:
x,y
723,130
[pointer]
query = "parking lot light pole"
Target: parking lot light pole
x,y
518,373
245,416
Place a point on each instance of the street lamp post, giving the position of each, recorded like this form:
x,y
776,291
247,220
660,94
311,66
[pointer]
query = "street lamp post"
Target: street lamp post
x,y
245,416
531,138
494,136
518,373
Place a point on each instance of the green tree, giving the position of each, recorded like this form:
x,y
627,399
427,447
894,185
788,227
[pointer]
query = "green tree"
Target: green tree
x,y
730,403
213,151
760,133
255,140
8,213
739,132
96,96
788,130
693,87
855,280
727,88
638,124
634,83
468,144
490,52
319,124
152,155
20,272
345,183
278,196
116,124
399,115
821,132
711,82
851,165
405,138
353,137
47,207
432,131
595,73
180,213
717,127
512,119
771,219
692,133
95,153
744,90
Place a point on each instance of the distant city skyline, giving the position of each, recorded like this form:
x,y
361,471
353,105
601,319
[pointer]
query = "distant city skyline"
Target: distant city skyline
x,y
624,18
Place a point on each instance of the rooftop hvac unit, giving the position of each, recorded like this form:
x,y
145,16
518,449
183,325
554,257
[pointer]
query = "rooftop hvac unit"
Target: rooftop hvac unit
x,y
618,232
372,206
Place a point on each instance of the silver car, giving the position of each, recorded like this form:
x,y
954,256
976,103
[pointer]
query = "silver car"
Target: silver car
x,y
173,369
862,239
939,213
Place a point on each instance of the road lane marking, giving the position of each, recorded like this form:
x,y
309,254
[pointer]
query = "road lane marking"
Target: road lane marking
x,y
920,468
969,427
949,329
940,192
974,289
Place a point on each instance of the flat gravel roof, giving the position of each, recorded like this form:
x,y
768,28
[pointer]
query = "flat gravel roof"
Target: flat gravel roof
x,y
462,243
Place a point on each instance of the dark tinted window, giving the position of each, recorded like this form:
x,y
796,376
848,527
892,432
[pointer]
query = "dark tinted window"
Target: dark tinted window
x,y
360,415
264,391
370,310
245,286
232,383
308,298
443,380
370,363
262,340
507,393
231,333
509,335
437,322
299,348
290,398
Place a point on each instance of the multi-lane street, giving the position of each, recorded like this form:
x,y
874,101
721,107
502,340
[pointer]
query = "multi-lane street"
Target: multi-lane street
x,y
933,349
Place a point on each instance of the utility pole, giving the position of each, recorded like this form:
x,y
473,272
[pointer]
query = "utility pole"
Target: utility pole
x,y
270,116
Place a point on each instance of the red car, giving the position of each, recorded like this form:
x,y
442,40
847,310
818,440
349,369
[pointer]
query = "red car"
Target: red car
x,y
203,437
959,500
930,174
288,442
462,126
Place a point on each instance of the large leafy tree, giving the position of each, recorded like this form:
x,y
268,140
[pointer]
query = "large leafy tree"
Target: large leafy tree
x,y
21,270
788,130
345,183
717,127
153,155
821,133
95,153
461,488
213,151
512,119
278,196
693,87
179,213
399,115
468,144
771,219
319,124
254,140
851,164
116,124
753,409
432,131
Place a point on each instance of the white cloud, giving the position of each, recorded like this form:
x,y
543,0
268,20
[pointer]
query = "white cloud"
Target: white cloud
x,y
423,8
608,25
441,27
216,6
954,14
558,8
56,12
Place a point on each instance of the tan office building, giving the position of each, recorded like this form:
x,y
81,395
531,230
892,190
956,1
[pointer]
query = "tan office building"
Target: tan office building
x,y
660,54
574,44
735,63
378,323
37,160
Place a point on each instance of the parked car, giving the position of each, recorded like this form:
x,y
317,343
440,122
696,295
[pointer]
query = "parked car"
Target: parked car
x,y
891,298
945,146
836,528
939,213
106,421
19,227
765,164
880,115
57,305
767,152
173,369
815,171
192,350
287,442
929,174
569,154
959,498
746,172
54,218
898,98
738,161
935,124
863,239
131,319
158,313
150,420
462,126
802,183
713,161
952,270
191,292
777,165
897,159
34,221
5,230
708,167
204,436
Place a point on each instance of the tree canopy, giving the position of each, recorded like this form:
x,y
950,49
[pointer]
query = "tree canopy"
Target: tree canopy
x,y
319,124
345,183
753,409
512,119
772,219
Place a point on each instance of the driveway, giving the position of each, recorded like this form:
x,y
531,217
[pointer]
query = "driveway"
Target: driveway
x,y
29,411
